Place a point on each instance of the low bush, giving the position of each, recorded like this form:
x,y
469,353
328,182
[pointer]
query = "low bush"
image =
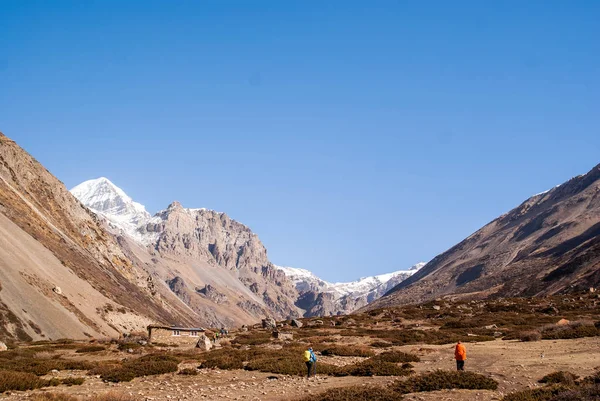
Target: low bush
x,y
73,381
574,330
53,397
356,393
125,346
372,367
22,381
112,396
561,377
42,366
91,348
380,344
341,350
527,336
149,365
253,338
396,357
537,394
583,393
442,380
226,359
188,372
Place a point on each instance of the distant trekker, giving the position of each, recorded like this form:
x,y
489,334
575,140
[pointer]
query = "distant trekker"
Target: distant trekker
x,y
460,354
311,362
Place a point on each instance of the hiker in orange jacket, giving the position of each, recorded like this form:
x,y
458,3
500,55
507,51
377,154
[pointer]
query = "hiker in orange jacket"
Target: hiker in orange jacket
x,y
460,354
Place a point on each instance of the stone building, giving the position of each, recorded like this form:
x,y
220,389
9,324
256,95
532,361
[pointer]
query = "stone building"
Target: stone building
x,y
172,335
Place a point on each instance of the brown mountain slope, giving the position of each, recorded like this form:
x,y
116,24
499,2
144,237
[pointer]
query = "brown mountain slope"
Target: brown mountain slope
x,y
61,274
549,244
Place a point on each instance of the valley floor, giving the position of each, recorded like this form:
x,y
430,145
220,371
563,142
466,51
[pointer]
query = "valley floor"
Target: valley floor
x,y
515,365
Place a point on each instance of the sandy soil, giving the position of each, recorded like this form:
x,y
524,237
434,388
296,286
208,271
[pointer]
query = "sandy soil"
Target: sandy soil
x,y
513,364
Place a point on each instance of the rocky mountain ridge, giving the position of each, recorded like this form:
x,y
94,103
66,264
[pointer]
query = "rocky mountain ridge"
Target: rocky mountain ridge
x,y
549,244
185,234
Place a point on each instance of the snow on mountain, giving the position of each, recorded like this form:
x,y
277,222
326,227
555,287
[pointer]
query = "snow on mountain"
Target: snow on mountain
x,y
106,199
305,280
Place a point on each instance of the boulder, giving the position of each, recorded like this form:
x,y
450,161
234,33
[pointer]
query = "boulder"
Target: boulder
x,y
3,347
269,323
296,323
563,322
204,343
437,307
319,322
57,290
244,328
491,326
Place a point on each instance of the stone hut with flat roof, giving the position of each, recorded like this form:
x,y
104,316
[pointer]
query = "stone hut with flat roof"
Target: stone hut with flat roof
x,y
173,335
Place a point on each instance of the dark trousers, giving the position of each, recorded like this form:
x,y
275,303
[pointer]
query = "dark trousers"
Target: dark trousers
x,y
460,365
309,366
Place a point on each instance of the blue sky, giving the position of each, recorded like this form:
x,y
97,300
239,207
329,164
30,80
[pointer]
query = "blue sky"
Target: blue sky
x,y
355,138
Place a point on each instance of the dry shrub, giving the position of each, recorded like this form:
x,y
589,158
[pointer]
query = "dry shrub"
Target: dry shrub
x,y
380,344
253,338
73,381
341,350
53,397
530,336
91,348
570,331
407,337
38,362
442,380
22,381
397,357
356,393
289,361
188,372
149,365
560,377
112,396
372,367
537,394
583,393
226,359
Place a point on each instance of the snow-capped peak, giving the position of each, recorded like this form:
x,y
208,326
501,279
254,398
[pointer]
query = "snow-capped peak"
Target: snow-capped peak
x,y
304,280
105,198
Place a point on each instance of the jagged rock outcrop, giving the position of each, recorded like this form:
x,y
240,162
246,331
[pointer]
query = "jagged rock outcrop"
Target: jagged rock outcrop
x,y
222,260
549,244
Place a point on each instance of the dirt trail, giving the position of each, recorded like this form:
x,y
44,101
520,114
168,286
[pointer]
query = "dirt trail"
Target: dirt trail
x,y
515,365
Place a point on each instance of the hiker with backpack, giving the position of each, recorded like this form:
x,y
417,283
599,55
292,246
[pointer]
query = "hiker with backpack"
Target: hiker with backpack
x,y
311,362
460,354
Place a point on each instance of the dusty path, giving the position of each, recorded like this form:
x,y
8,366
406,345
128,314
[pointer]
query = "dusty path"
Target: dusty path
x,y
515,365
